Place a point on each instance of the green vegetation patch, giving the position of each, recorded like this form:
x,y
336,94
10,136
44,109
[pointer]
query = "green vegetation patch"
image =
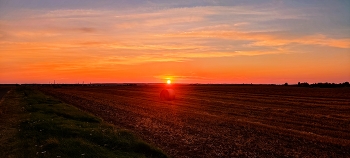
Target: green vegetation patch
x,y
56,129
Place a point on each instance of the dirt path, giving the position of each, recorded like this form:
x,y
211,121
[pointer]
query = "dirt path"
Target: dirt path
x,y
231,121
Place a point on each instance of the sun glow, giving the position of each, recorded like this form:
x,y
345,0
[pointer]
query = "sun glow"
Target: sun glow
x,y
168,81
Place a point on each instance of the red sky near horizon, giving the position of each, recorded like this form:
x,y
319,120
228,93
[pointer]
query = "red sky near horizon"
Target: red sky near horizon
x,y
272,41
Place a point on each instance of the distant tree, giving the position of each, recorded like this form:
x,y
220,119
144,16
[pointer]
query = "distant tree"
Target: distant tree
x,y
286,84
305,84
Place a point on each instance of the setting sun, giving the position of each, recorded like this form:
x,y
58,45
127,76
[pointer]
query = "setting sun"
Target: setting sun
x,y
183,78
134,42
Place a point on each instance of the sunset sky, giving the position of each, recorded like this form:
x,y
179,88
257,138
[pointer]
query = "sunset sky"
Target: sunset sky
x,y
187,41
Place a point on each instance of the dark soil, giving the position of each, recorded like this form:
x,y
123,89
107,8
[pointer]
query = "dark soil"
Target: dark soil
x,y
225,121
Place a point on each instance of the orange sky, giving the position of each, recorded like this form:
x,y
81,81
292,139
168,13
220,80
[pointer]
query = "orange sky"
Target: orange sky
x,y
197,42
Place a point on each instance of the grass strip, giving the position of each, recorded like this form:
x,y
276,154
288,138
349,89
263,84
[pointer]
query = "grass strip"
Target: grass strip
x,y
10,116
51,128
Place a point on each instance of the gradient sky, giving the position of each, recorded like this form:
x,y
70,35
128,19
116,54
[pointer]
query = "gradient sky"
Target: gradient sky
x,y
188,41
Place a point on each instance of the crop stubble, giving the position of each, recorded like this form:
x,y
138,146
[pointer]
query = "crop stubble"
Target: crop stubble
x,y
225,121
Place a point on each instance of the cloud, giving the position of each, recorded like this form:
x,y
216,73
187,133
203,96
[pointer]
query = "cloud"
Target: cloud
x,y
166,18
106,38
84,29
264,38
71,13
135,59
202,15
182,77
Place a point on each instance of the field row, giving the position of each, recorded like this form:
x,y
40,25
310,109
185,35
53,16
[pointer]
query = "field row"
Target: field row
x,y
209,121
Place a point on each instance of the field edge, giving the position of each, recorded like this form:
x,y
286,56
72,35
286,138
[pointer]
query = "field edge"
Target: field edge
x,y
41,125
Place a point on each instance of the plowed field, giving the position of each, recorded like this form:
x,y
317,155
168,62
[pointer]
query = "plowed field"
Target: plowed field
x,y
225,121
